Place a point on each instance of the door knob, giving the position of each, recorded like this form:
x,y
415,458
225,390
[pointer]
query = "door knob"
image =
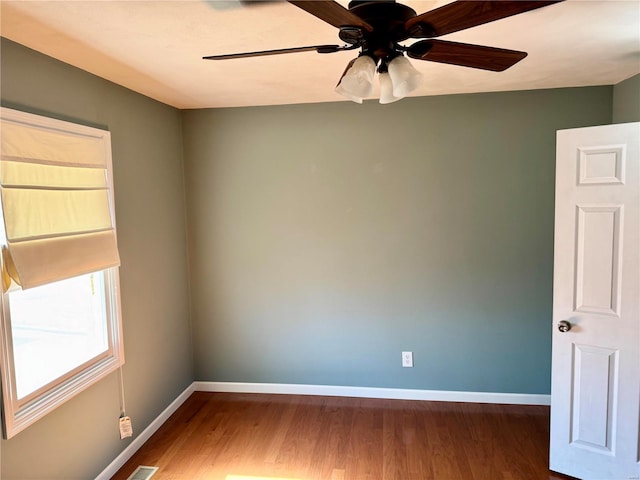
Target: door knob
x,y
564,326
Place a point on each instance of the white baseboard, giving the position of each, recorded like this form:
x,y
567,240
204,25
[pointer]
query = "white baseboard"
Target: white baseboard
x,y
368,392
133,447
324,390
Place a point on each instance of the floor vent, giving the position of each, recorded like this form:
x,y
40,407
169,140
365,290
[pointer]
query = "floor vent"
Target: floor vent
x,y
143,473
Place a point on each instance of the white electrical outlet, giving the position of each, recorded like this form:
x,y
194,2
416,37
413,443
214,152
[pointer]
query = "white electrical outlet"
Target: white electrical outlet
x,y
407,359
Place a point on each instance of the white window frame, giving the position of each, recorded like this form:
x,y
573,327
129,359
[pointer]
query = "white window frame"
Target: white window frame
x,y
20,413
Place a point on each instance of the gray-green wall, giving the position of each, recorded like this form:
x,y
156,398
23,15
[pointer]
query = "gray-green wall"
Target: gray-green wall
x,y
79,439
325,239
626,100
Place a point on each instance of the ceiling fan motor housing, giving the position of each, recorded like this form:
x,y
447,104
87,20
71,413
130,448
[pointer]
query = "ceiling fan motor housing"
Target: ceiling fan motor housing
x,y
388,20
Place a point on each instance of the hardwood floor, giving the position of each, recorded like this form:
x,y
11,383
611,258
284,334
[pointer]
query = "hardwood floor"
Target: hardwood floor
x,y
223,436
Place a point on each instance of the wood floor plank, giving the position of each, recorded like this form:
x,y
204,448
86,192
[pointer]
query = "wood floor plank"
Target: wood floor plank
x,y
365,442
327,459
230,436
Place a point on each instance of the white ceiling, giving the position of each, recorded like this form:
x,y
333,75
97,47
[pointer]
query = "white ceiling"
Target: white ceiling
x,y
155,48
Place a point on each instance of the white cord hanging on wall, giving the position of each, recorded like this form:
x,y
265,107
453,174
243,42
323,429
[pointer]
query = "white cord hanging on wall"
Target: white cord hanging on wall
x,y
126,429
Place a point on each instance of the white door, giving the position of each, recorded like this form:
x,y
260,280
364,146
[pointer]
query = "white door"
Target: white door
x,y
595,392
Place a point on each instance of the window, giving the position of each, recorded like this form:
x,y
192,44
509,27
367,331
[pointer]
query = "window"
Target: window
x,y
60,330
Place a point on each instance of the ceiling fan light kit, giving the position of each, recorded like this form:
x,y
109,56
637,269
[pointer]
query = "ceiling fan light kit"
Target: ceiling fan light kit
x,y
397,78
377,27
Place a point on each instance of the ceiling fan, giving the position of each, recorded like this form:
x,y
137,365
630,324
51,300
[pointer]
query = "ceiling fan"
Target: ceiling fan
x,y
377,28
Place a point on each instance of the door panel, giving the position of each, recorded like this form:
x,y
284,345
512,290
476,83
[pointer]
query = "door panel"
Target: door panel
x,y
595,394
595,389
597,259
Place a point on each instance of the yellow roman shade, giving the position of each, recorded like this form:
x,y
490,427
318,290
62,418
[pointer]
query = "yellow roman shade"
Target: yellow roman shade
x,y
57,200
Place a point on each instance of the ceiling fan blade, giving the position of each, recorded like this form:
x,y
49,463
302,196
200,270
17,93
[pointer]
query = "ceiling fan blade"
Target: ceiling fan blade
x,y
464,14
332,13
317,48
465,54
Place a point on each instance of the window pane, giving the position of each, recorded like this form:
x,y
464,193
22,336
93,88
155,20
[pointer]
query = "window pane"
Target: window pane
x,y
56,328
